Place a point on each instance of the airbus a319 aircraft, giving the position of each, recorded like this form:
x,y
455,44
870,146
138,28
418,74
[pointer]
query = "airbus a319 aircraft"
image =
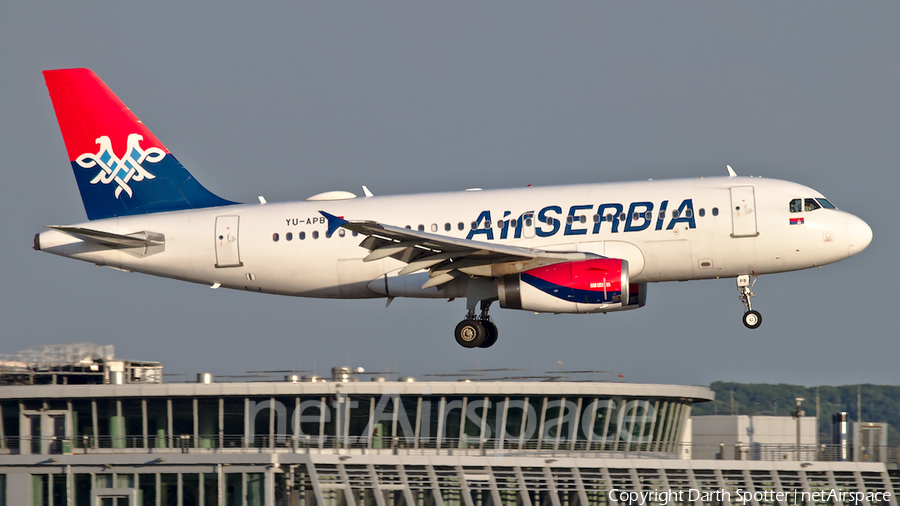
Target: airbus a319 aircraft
x,y
589,248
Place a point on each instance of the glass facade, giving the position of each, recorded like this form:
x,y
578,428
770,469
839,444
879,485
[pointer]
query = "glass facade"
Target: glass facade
x,y
582,423
358,449
185,449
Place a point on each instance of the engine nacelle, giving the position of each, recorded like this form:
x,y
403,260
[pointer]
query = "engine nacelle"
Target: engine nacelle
x,y
585,286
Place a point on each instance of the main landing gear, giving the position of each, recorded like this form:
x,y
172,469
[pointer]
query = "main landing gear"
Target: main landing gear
x,y
477,332
752,319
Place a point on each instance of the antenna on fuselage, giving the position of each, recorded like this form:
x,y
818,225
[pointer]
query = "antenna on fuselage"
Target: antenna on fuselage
x,y
731,172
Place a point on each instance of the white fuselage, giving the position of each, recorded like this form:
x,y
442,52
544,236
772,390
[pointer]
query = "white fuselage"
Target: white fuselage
x,y
726,227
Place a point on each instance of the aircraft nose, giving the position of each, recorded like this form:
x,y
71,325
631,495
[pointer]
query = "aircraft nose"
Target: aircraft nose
x,y
859,233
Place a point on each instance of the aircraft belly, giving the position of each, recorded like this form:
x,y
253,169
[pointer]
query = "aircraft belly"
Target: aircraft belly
x,y
668,260
410,285
354,276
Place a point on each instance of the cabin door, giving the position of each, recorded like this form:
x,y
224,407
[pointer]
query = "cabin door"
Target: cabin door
x,y
227,252
743,212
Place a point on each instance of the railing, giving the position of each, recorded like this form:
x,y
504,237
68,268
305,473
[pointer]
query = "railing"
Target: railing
x,y
445,446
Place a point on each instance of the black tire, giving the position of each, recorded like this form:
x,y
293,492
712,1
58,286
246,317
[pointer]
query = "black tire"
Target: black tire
x,y
491,334
470,333
752,319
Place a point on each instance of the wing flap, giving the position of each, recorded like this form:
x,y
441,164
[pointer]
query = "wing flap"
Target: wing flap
x,y
446,257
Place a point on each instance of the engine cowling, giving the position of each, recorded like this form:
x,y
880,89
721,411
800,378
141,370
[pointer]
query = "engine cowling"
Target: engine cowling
x,y
584,286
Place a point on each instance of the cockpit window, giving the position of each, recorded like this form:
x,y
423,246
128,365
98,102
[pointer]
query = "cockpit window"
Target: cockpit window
x,y
796,205
810,205
826,204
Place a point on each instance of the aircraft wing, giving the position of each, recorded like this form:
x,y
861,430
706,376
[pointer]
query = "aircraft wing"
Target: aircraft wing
x,y
446,258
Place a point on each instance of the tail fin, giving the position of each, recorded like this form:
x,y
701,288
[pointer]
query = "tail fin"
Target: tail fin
x,y
120,166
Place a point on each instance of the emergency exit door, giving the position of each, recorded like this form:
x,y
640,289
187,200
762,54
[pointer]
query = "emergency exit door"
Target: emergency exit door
x,y
228,253
743,212
528,224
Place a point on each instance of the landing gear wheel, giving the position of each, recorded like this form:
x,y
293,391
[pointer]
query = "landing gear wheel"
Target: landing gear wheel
x,y
491,334
752,319
470,333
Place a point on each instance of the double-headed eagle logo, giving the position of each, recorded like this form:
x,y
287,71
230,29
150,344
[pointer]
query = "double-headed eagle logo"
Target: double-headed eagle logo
x,y
121,170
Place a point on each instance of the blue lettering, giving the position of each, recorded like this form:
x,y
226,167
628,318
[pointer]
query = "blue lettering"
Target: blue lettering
x,y
662,214
542,217
685,214
487,231
505,229
572,211
632,210
639,217
615,216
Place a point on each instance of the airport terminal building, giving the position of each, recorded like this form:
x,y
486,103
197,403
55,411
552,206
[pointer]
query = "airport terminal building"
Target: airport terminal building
x,y
110,432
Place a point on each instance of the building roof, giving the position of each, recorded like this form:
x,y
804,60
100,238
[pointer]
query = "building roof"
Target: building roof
x,y
436,388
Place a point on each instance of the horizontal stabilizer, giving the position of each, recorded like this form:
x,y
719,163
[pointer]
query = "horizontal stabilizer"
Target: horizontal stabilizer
x,y
136,240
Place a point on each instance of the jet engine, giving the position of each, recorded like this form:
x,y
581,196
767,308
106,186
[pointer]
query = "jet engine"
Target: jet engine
x,y
584,286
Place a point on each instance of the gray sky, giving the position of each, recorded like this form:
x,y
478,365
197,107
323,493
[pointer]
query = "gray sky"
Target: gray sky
x,y
292,99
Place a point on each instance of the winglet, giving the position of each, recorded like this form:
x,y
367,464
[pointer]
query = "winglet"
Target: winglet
x,y
367,192
731,172
334,222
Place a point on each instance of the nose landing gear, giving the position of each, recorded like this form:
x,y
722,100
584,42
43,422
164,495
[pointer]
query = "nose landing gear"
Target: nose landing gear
x,y
752,319
477,332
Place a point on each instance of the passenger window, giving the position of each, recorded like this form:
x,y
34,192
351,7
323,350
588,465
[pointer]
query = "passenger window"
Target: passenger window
x,y
447,227
499,223
702,212
342,232
513,223
461,226
582,219
302,235
474,225
434,227
688,213
715,211
409,227
675,213
634,216
275,237
288,236
487,223
355,233
596,218
648,215
569,219
315,234
796,205
622,217
421,228
810,205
